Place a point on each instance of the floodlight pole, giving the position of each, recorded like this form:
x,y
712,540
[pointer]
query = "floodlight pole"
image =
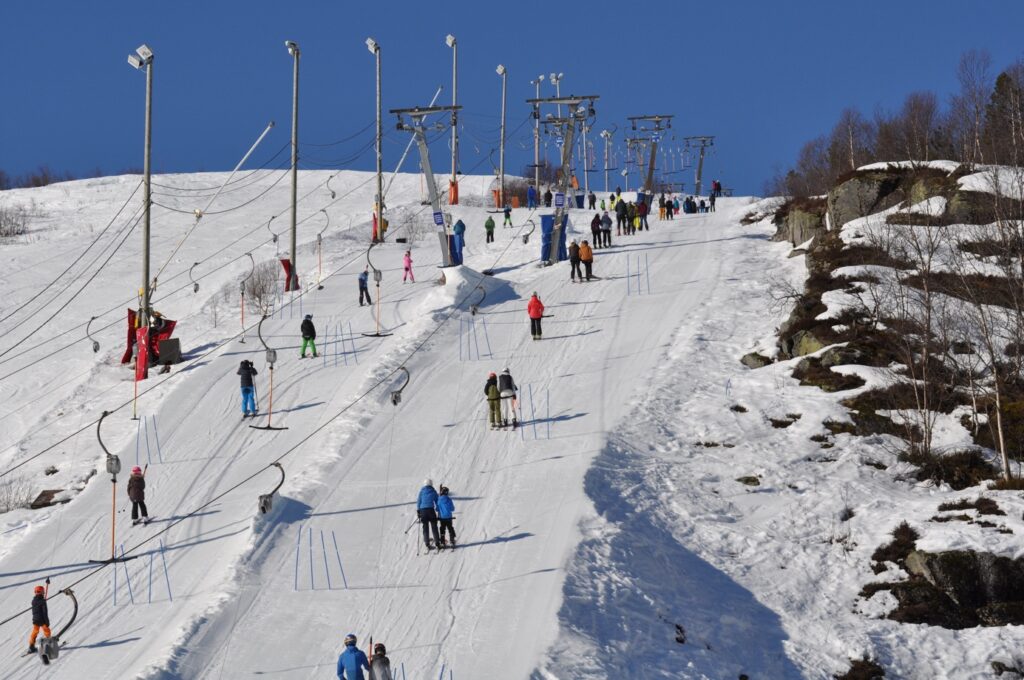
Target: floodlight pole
x,y
655,128
586,162
294,49
536,138
501,155
453,193
379,203
146,171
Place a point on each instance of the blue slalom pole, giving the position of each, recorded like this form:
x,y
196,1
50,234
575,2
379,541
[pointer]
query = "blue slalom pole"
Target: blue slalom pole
x,y
312,581
298,547
167,575
647,269
338,553
126,576
156,437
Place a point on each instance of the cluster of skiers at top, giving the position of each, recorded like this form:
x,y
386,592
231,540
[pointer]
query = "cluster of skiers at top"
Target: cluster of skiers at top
x,y
592,199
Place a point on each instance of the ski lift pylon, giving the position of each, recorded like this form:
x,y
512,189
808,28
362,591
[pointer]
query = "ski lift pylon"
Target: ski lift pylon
x,y
95,342
49,648
396,395
195,284
266,501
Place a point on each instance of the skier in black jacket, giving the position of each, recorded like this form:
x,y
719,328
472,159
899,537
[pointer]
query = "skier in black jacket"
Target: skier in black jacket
x,y
40,618
308,336
509,393
247,371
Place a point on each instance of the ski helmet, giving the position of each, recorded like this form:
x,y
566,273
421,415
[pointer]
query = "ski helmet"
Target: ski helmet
x,y
380,649
350,640
443,490
492,374
309,316
428,482
506,372
39,590
136,470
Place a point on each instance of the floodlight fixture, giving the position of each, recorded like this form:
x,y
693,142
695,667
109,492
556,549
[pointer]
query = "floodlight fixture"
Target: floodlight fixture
x,y
135,61
449,40
144,52
500,70
372,45
293,48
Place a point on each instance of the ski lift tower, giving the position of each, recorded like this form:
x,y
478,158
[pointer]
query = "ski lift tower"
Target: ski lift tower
x,y
419,131
701,142
580,111
651,125
635,145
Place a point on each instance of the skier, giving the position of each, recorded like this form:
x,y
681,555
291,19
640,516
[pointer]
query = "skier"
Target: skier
x,y
675,206
574,261
595,229
352,661
40,618
308,336
547,197
380,664
489,228
426,510
711,203
508,391
606,229
587,258
621,210
445,511
407,266
641,211
661,207
364,287
592,200
508,216
531,196
493,395
137,495
247,371
670,207
535,309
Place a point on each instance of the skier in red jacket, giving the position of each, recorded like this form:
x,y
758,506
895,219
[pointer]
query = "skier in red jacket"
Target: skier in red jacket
x,y
535,308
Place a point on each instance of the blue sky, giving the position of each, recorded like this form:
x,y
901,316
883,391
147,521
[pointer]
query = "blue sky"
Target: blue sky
x,y
762,77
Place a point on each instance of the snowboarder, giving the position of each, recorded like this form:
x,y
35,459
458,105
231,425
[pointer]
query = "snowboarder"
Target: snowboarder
x,y
137,495
508,216
308,336
426,510
587,258
489,228
445,512
364,286
380,664
535,309
352,661
547,197
508,391
40,618
493,395
606,229
595,229
246,370
407,267
574,261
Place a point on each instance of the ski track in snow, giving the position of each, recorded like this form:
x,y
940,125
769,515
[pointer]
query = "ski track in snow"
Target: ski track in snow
x,y
590,538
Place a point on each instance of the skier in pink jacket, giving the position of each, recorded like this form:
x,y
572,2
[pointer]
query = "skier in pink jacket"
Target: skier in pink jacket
x,y
407,266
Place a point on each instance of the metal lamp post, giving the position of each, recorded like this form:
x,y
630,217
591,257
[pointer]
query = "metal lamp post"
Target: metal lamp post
x,y
501,155
536,136
374,48
143,57
453,194
293,49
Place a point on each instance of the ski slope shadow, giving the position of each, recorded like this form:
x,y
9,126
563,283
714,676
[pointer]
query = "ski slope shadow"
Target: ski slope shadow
x,y
632,585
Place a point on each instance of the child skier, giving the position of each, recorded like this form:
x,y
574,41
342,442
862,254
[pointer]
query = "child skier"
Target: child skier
x,y
493,395
508,216
137,495
364,287
445,511
352,661
308,336
507,391
426,510
407,267
246,370
40,618
380,664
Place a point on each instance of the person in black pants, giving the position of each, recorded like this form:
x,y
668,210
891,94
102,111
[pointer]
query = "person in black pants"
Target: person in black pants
x,y
137,495
364,289
574,261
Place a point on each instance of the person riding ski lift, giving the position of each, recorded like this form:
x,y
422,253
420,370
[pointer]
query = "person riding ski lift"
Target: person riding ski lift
x,y
445,514
493,395
40,618
137,495
509,393
246,370
352,660
308,336
380,664
426,510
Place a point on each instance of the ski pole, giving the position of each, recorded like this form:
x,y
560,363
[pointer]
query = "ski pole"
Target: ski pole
x,y
414,523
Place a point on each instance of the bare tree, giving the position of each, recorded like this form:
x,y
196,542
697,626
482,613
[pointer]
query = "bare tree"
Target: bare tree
x,y
974,74
261,287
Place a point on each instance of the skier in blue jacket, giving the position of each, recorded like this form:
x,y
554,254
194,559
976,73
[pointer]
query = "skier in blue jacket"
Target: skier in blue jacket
x,y
352,661
364,287
445,512
460,238
426,510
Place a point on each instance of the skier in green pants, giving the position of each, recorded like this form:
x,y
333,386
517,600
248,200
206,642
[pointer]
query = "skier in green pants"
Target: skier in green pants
x,y
493,401
308,336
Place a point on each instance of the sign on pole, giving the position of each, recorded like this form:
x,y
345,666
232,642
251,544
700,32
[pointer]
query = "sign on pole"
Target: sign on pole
x,y
559,200
439,218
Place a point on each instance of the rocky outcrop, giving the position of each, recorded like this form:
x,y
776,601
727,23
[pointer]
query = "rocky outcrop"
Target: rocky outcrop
x,y
864,193
755,360
799,220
